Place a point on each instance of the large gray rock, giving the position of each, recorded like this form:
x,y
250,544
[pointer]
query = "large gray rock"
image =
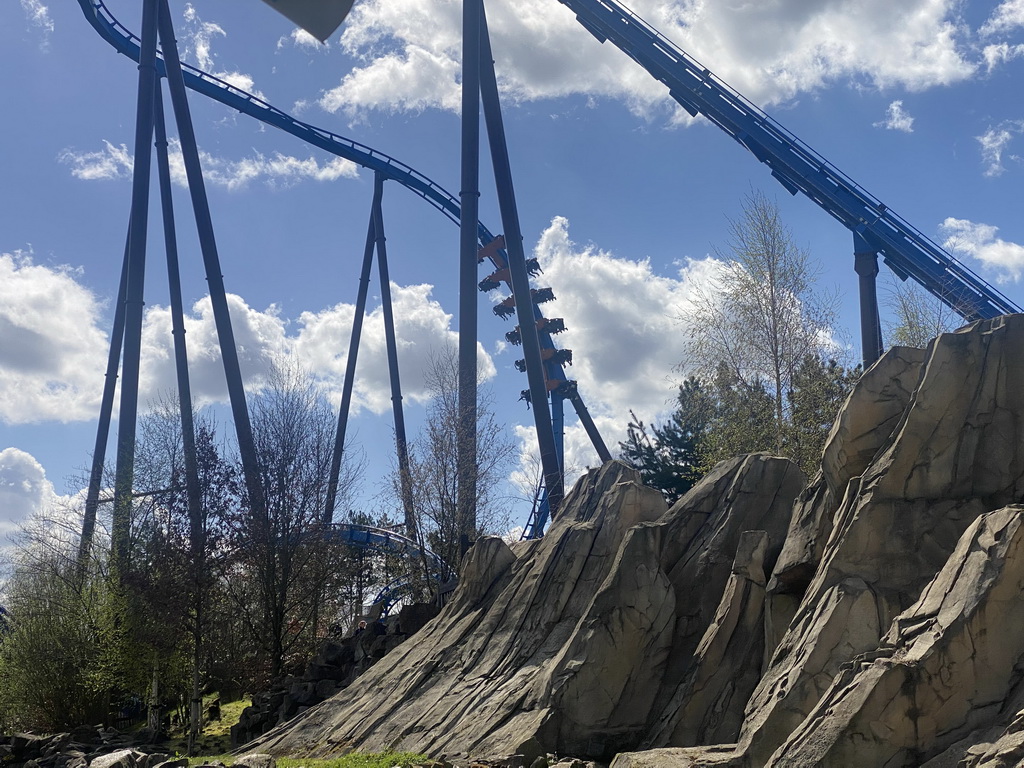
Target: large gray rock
x,y
954,455
872,411
563,647
942,671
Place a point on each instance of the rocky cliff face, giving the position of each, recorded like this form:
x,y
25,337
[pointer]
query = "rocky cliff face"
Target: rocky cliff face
x,y
871,616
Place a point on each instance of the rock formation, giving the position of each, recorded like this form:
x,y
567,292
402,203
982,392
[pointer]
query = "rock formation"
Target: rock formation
x,y
869,617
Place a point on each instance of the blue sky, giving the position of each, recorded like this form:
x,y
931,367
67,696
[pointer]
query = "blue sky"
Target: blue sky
x,y
622,196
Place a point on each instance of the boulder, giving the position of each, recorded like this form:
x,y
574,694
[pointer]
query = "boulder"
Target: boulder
x,y
942,671
561,645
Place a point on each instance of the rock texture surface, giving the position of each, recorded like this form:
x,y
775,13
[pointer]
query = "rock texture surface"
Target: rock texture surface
x,y
870,617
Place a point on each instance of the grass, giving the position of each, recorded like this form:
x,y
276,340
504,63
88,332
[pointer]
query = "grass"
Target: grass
x,y
351,760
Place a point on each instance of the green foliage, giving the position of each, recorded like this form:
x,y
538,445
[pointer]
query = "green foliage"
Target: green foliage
x,y
729,416
670,457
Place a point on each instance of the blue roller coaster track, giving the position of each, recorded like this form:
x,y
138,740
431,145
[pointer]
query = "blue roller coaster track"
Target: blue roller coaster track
x,y
559,386
876,230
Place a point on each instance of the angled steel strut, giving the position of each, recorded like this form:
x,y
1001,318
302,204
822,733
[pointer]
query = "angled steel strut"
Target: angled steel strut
x,y
876,230
384,167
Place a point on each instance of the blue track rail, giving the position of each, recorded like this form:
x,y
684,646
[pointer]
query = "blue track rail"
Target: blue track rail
x,y
796,166
126,42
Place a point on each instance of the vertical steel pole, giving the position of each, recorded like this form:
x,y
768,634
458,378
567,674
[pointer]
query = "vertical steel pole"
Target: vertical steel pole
x,y
197,532
469,198
92,494
401,444
520,278
129,406
865,264
188,432
350,366
211,261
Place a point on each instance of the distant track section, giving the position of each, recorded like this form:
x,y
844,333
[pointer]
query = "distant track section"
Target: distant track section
x,y
908,252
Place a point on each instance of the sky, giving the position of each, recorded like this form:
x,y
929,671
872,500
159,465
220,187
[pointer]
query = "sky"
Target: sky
x,y
624,199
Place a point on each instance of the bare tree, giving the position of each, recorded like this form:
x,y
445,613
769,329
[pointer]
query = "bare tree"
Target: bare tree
x,y
433,471
917,317
763,315
280,563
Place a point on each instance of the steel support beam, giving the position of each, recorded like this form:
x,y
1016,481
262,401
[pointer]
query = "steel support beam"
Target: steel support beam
x,y
469,198
865,264
549,459
133,301
391,340
211,261
350,363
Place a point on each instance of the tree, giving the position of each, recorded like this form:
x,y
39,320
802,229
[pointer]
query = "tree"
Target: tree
x,y
820,387
918,316
433,476
281,562
763,315
671,457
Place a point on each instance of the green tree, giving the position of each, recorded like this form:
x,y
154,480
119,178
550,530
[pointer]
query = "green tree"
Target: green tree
x,y
670,457
820,387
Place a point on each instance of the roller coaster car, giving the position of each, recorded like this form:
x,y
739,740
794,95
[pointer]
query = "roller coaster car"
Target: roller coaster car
x,y
491,251
559,356
495,279
539,296
550,325
567,388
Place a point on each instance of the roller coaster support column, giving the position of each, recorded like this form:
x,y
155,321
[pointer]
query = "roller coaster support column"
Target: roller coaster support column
x,y
517,266
392,346
92,494
865,263
469,199
197,542
133,306
211,261
350,363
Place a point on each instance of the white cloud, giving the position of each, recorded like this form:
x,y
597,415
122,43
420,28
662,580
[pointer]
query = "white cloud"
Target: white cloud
x,y
1007,16
979,241
423,329
39,17
198,36
769,51
994,143
897,119
625,341
53,351
1001,53
116,162
112,162
24,490
300,38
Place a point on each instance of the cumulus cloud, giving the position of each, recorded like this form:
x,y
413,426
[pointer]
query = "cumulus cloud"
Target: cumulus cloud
x,y
198,37
769,51
51,359
994,143
1008,16
24,490
423,329
278,170
1000,53
55,346
897,119
624,341
979,241
300,38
